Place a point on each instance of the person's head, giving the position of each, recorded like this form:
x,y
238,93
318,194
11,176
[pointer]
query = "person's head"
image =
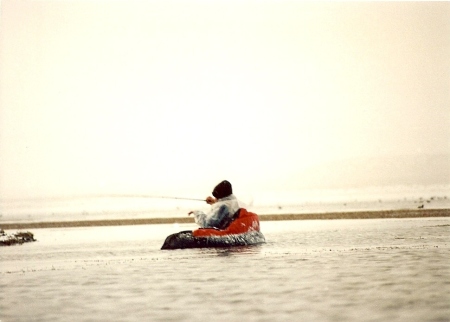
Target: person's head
x,y
222,190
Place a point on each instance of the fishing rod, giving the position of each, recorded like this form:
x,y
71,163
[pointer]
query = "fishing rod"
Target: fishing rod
x,y
95,196
152,196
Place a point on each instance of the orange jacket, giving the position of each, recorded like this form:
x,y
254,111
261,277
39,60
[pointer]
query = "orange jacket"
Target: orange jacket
x,y
246,222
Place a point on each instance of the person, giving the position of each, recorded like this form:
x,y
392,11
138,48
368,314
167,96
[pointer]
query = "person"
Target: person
x,y
224,206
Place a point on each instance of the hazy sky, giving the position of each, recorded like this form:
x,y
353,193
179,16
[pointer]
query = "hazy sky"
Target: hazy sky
x,y
173,96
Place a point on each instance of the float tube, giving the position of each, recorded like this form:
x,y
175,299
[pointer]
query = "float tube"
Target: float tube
x,y
243,230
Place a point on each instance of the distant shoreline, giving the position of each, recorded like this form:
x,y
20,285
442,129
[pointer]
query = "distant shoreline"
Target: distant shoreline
x,y
406,213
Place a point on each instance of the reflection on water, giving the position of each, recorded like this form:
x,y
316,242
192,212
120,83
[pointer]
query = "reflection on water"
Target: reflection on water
x,y
335,270
242,250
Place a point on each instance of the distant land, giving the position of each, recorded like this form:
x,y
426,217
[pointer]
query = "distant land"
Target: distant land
x,y
421,169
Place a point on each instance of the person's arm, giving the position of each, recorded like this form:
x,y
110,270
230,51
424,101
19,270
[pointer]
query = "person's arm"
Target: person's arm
x,y
213,219
199,217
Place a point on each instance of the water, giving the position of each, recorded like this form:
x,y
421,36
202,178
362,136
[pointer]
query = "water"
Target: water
x,y
319,270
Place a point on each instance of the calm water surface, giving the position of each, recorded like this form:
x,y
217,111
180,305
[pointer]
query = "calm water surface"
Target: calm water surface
x,y
335,270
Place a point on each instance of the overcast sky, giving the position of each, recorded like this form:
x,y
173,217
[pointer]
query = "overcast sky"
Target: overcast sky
x,y
174,96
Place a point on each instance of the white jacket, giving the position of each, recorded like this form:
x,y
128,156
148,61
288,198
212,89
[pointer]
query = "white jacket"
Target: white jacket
x,y
222,210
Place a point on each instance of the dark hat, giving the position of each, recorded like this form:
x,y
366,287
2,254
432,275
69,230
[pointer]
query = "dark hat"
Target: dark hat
x,y
222,190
